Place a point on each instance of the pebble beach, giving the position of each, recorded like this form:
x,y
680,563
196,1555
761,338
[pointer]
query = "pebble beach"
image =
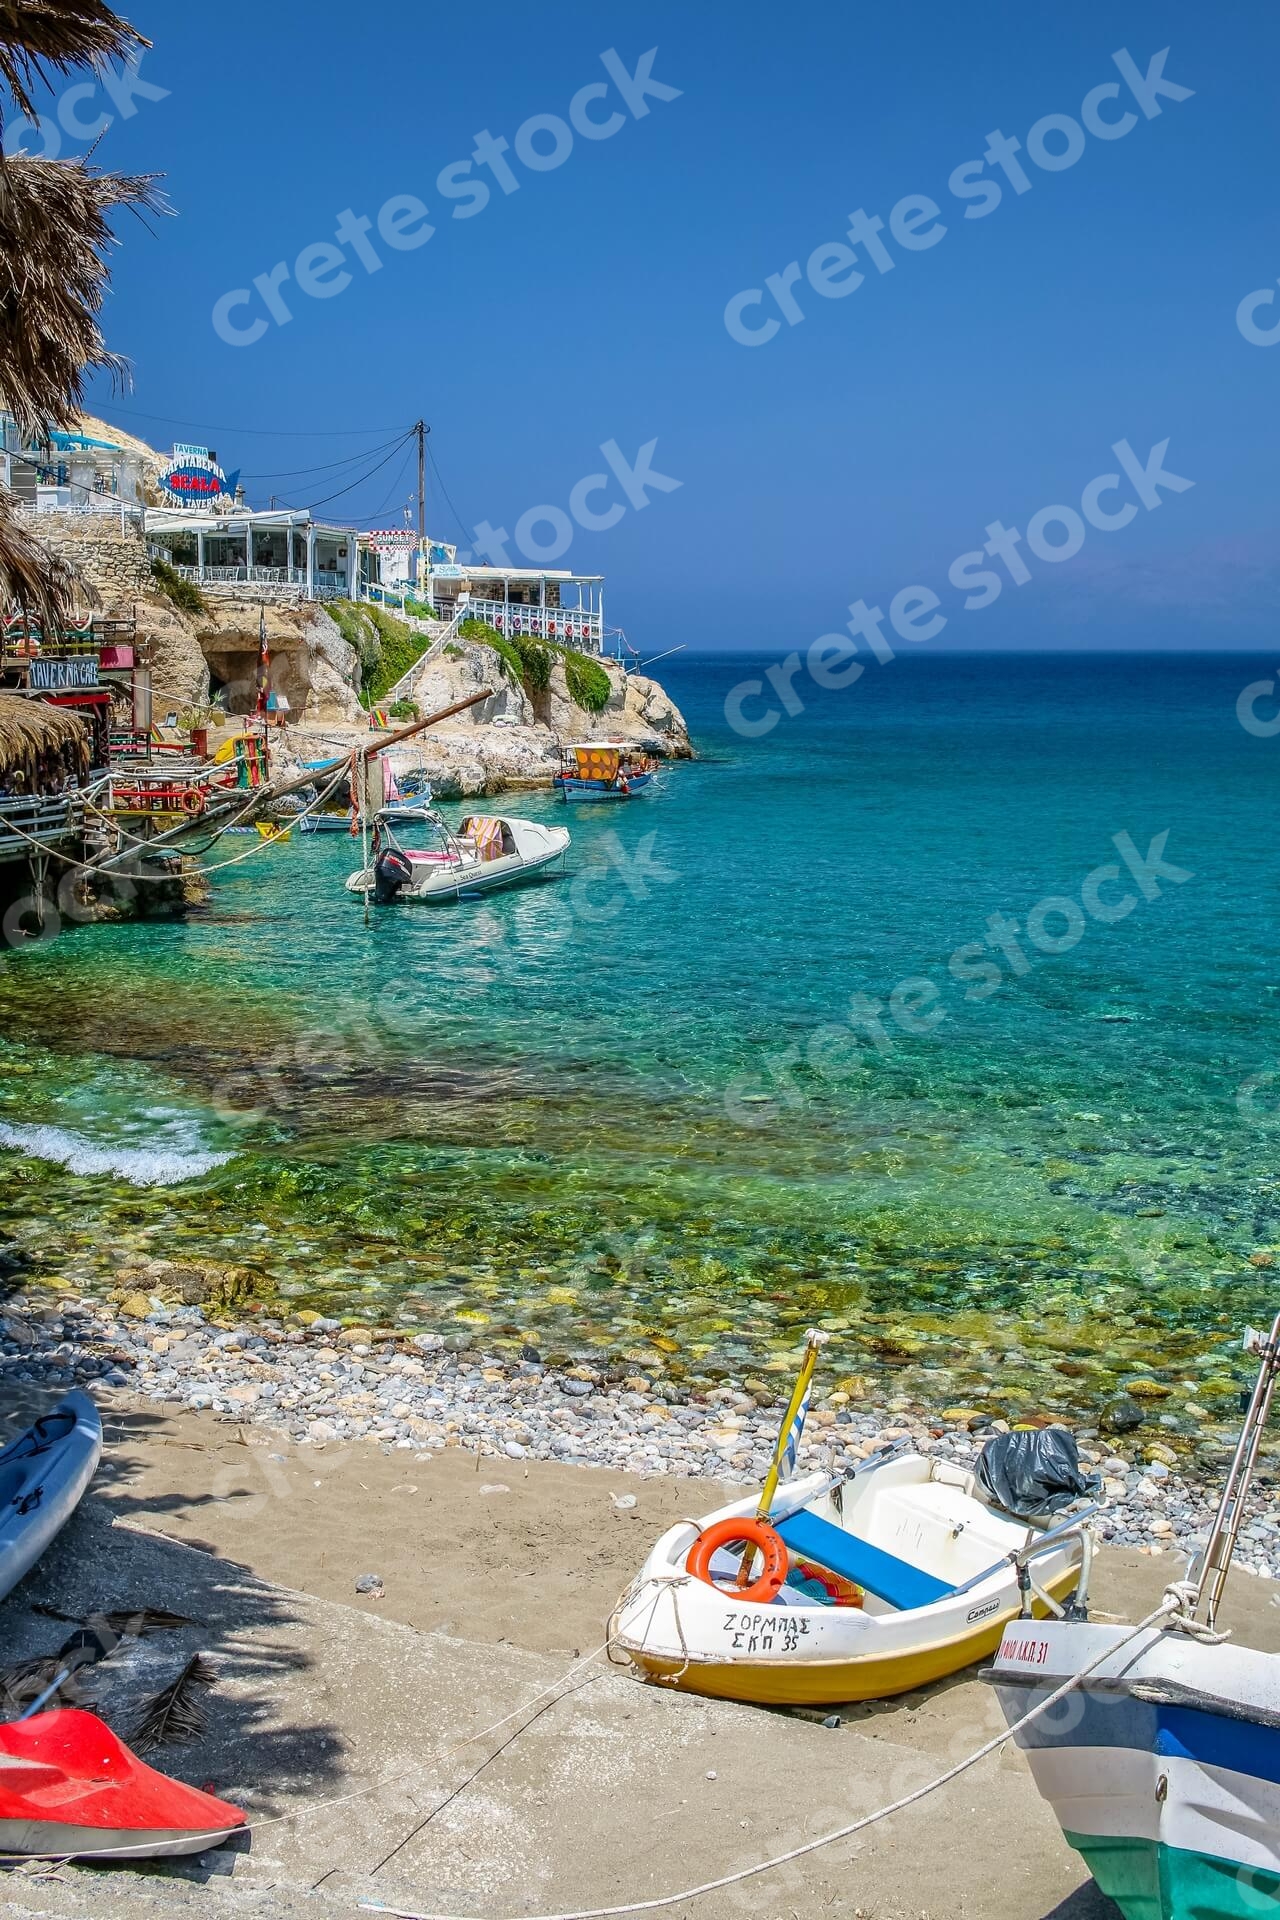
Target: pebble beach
x,y
316,1383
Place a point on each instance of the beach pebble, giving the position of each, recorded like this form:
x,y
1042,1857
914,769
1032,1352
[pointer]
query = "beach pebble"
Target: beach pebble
x,y
292,1380
370,1583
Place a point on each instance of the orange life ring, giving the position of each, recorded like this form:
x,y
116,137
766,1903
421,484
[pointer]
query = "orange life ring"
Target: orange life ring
x,y
193,801
756,1533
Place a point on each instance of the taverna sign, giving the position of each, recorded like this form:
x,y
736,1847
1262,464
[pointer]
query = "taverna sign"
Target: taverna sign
x,y
193,476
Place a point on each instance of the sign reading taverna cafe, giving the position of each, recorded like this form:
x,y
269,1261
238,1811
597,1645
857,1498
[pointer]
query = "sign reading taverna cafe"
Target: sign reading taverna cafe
x,y
192,477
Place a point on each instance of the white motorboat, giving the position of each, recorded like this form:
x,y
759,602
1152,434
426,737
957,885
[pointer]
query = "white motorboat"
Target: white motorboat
x,y
486,852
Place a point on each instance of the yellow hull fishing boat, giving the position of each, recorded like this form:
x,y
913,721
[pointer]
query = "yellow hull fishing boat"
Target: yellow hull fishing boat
x,y
841,1587
892,1579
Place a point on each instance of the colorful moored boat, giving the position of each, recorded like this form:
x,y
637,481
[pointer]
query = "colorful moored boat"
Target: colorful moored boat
x,y
872,1581
1163,1767
603,770
892,1577
1162,1760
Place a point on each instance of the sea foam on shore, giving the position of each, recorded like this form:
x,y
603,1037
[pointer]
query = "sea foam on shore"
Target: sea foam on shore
x,y
163,1162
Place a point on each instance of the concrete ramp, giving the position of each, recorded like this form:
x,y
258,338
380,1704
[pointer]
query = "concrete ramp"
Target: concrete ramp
x,y
350,1739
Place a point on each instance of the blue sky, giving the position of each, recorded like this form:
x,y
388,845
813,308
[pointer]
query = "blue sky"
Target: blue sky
x,y
852,455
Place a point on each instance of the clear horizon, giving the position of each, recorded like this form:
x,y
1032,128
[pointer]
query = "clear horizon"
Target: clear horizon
x,y
725,246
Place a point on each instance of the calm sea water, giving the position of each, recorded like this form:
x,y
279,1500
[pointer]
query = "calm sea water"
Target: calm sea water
x,y
626,1112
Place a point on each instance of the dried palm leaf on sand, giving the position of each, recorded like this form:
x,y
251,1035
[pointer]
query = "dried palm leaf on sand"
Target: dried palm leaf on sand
x,y
177,1713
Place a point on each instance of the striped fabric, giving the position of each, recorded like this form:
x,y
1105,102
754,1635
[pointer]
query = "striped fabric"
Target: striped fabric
x,y
792,1447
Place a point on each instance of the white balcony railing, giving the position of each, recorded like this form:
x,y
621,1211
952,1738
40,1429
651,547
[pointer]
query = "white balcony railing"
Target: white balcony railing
x,y
571,626
326,584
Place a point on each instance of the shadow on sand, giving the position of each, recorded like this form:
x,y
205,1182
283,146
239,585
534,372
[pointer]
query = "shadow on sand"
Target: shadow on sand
x,y
255,1635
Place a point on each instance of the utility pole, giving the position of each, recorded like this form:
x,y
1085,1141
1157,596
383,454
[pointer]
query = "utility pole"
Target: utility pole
x,y
422,430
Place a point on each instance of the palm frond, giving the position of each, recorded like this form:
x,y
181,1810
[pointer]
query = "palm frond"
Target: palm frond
x,y
55,235
127,1622
37,36
176,1714
25,1682
32,728
32,577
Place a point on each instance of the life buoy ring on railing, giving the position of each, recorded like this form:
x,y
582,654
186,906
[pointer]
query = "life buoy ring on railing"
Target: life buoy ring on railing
x,y
193,801
756,1533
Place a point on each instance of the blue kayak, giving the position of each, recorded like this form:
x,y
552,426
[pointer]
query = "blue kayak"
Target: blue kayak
x,y
43,1474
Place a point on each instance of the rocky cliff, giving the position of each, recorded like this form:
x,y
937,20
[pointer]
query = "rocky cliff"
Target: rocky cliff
x,y
512,739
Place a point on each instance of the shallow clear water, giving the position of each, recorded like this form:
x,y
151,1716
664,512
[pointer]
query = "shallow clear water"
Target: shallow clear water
x,y
627,1111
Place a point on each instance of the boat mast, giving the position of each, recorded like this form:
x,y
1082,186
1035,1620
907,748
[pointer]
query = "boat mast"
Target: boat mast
x,y
1215,1562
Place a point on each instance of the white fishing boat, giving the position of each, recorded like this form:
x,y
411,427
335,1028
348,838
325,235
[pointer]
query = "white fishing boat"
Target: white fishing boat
x,y
486,852
1162,1760
870,1583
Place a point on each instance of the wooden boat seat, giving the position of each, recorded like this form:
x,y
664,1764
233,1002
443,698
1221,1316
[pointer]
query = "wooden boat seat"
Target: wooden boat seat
x,y
894,1581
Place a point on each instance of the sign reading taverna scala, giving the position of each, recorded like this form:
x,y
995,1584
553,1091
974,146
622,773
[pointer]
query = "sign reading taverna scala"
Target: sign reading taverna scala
x,y
193,476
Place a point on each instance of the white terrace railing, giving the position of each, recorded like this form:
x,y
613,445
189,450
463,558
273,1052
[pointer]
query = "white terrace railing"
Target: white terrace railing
x,y
325,585
571,626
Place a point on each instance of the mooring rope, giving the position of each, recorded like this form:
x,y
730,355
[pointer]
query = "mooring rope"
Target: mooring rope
x,y
91,866
1173,1608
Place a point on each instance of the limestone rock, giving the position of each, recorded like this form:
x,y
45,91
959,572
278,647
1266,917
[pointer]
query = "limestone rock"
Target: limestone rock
x,y
334,671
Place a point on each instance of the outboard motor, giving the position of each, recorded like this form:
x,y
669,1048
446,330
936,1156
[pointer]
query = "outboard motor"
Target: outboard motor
x,y
391,871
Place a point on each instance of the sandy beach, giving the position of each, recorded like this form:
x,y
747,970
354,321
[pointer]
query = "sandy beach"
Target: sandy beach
x,y
480,1649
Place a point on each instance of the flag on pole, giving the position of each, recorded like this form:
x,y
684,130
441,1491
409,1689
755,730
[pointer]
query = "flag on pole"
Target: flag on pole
x,y
788,1442
791,1442
264,661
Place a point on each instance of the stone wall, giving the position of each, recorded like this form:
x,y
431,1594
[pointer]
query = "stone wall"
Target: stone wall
x,y
113,561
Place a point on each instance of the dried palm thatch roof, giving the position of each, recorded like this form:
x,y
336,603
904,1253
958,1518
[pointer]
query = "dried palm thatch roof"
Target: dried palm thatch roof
x,y
29,728
33,578
54,238
60,34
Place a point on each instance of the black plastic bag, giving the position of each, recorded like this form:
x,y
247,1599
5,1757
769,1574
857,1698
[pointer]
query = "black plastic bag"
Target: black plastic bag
x,y
1034,1474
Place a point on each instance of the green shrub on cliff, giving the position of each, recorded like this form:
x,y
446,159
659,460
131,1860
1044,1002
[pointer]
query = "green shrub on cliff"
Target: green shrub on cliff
x,y
386,646
528,662
184,594
479,631
588,683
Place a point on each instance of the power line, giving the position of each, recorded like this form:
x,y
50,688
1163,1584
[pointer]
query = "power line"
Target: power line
x,y
349,460
268,433
445,491
361,478
390,501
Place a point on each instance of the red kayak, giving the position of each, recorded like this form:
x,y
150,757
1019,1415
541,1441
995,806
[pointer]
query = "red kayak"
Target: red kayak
x,y
70,1789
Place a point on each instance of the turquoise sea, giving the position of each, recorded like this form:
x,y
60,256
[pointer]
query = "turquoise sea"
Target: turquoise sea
x,y
626,1113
